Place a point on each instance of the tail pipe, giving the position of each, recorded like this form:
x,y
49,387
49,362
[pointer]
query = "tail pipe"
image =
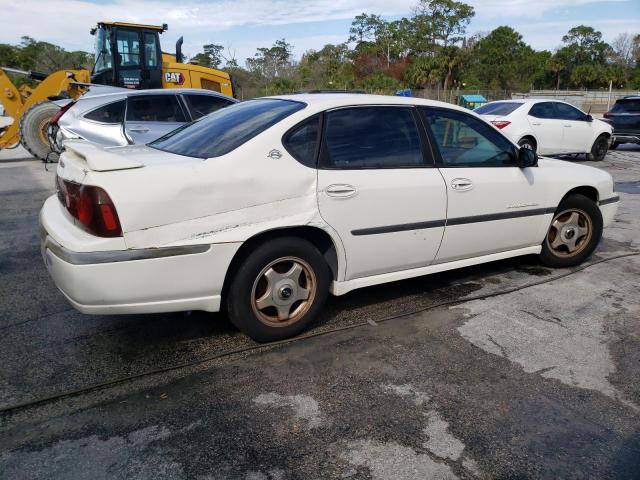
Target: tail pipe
x,y
179,56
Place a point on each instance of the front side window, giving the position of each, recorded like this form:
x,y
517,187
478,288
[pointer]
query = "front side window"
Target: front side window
x,y
543,110
498,108
466,141
371,137
112,113
226,129
201,105
302,141
567,112
128,43
154,108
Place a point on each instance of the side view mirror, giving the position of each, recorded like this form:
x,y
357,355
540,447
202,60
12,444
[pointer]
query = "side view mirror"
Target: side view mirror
x,y
526,158
588,118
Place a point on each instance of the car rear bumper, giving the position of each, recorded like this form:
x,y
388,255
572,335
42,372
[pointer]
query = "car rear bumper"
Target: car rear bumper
x,y
150,280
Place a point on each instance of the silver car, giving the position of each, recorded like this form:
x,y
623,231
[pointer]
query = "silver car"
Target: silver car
x,y
125,117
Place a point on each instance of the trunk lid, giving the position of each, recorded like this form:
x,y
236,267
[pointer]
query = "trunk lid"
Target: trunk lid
x,y
96,158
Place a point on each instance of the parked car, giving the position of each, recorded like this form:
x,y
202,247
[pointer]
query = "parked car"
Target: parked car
x,y
624,117
124,117
550,127
266,206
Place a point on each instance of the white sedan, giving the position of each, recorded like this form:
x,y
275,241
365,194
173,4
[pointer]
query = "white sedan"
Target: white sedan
x,y
550,127
266,206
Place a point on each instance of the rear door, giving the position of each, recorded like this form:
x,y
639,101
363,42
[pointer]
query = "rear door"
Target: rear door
x,y
151,116
493,205
379,190
578,135
546,127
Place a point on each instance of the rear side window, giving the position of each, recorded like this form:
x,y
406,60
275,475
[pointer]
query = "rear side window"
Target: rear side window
x,y
201,105
626,106
371,137
543,110
112,113
154,108
498,108
226,129
302,141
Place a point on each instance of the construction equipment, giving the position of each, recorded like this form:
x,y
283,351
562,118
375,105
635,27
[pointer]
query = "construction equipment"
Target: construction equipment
x,y
126,55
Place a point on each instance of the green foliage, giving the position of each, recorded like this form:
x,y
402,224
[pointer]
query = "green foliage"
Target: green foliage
x,y
211,56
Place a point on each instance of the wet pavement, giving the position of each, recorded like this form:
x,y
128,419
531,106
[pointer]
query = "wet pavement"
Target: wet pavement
x,y
445,376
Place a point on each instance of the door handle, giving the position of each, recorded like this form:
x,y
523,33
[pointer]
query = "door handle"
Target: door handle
x,y
537,124
341,190
139,130
461,184
568,126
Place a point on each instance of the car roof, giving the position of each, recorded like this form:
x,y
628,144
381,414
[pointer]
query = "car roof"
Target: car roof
x,y
116,92
324,101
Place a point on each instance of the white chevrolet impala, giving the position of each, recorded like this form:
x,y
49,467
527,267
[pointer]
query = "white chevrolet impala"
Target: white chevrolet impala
x,y
264,207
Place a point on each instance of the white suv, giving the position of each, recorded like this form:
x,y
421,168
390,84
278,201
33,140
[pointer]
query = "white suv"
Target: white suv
x,y
549,127
266,206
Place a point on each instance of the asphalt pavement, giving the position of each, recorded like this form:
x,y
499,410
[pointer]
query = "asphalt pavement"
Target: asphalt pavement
x,y
506,370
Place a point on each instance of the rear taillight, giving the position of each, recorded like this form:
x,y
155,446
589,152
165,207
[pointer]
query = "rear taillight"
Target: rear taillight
x,y
61,112
91,207
500,123
607,115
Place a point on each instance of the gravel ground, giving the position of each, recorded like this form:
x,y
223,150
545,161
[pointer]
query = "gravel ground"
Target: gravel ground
x,y
542,382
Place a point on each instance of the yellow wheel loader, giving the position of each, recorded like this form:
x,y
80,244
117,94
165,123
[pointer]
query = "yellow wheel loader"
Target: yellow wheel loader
x,y
126,55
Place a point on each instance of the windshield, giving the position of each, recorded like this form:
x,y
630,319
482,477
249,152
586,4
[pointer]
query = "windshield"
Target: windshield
x,y
498,108
226,129
103,57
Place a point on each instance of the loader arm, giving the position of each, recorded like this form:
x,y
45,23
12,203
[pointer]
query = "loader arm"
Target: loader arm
x,y
16,101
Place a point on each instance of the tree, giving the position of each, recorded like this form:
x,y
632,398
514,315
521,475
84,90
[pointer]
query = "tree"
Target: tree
x,y
503,60
272,62
211,56
442,22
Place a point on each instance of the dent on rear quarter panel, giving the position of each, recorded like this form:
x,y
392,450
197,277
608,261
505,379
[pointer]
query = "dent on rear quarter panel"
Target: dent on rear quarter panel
x,y
223,199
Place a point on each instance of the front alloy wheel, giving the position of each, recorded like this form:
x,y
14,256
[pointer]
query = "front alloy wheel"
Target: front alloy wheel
x,y
574,233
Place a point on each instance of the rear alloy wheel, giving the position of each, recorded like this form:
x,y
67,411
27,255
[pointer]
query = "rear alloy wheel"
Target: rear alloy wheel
x,y
574,232
599,149
278,290
527,143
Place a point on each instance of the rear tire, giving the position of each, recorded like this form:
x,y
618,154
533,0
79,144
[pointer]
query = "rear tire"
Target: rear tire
x,y
599,149
574,232
278,290
527,143
33,130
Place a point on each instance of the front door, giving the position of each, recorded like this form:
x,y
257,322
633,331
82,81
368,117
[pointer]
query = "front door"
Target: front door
x,y
547,128
493,205
151,116
379,190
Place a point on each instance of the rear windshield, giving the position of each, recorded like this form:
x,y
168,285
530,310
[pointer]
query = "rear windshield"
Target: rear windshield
x,y
226,129
501,108
626,106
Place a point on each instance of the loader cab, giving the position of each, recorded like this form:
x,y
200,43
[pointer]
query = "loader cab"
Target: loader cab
x,y
127,55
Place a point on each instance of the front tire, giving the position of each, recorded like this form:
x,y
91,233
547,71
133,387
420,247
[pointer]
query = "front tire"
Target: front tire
x,y
599,149
574,233
278,289
33,130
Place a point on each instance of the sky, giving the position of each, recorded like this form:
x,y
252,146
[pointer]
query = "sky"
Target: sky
x,y
244,25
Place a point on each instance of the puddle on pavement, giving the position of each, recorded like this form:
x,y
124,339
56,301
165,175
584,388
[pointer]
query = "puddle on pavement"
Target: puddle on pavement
x,y
628,187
